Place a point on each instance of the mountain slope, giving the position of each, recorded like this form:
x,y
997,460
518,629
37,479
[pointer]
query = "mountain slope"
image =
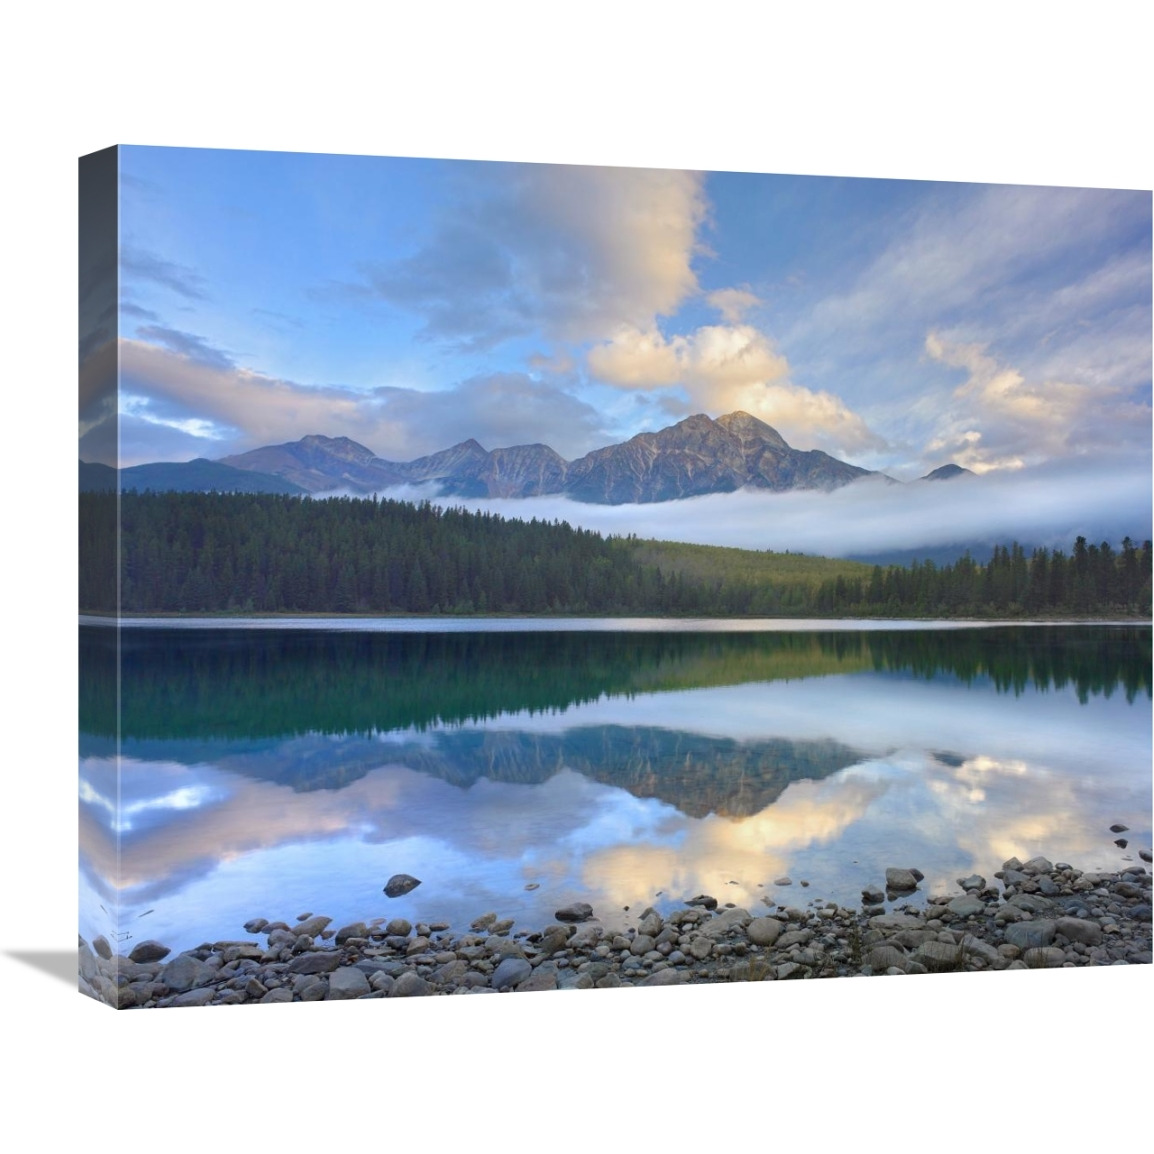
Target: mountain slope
x,y
696,456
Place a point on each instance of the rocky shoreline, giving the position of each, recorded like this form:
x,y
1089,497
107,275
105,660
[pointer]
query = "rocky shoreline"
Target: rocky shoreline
x,y
1038,915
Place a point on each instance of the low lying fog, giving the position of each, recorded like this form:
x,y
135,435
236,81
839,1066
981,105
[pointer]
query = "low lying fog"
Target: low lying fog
x,y
1048,505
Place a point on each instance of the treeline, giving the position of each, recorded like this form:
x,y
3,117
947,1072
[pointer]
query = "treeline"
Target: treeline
x,y
265,553
1092,580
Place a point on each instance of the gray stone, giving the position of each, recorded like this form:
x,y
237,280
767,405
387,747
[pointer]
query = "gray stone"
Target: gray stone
x,y
1038,865
255,925
651,923
1031,903
539,979
148,951
966,907
199,997
281,994
400,884
1079,930
1044,957
873,896
1118,827
88,968
973,882
410,984
900,880
783,881
727,920
575,912
666,977
185,972
101,946
511,972
763,931
347,982
400,928
310,926
701,947
892,923
940,957
353,930
318,962
610,982
483,922
887,957
317,990
1027,935
641,944
705,901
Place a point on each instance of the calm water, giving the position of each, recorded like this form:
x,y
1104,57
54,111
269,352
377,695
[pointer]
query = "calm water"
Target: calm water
x,y
275,771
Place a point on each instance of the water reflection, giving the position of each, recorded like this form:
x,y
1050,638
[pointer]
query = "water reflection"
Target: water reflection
x,y
267,775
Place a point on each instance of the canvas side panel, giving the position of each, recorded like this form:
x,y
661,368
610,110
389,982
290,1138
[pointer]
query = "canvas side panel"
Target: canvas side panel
x,y
98,601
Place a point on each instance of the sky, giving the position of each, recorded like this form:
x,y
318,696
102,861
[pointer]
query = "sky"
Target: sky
x,y
412,304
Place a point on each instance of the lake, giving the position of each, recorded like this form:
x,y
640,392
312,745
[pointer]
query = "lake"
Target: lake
x,y
272,769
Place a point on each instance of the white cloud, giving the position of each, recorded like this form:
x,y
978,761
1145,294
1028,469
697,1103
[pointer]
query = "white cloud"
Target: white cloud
x,y
733,303
239,409
723,368
573,251
999,419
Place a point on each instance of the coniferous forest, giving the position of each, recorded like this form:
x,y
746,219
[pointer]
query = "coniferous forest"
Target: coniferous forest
x,y
265,553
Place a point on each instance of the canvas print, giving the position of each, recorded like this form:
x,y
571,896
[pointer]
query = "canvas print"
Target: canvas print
x,y
508,577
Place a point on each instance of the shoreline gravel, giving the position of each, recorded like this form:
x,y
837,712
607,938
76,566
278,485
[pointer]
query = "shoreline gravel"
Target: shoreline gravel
x,y
1032,915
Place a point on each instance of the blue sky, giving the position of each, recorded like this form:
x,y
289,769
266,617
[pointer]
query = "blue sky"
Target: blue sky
x,y
411,304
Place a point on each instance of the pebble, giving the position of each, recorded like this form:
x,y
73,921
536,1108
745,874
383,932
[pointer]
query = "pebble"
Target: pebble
x,y
1049,917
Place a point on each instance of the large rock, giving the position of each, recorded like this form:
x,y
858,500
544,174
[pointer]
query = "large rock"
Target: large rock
x,y
185,972
317,962
966,907
511,972
347,982
311,927
400,884
575,912
540,979
667,977
900,880
763,931
149,951
725,921
1030,935
410,984
1079,930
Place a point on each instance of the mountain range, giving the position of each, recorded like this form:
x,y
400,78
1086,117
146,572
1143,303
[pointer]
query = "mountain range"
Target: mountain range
x,y
696,456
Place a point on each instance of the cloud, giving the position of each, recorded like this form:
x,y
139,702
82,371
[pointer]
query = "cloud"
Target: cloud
x,y
1103,498
732,303
998,419
187,344
727,367
236,409
185,282
128,309
573,251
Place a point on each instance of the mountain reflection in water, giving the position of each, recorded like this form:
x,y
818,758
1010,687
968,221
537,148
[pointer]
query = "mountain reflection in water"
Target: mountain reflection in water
x,y
260,771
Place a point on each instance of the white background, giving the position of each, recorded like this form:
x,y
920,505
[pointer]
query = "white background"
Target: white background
x,y
1017,93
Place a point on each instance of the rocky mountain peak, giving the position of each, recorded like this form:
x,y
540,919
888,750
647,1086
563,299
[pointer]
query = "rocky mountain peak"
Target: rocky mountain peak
x,y
746,427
